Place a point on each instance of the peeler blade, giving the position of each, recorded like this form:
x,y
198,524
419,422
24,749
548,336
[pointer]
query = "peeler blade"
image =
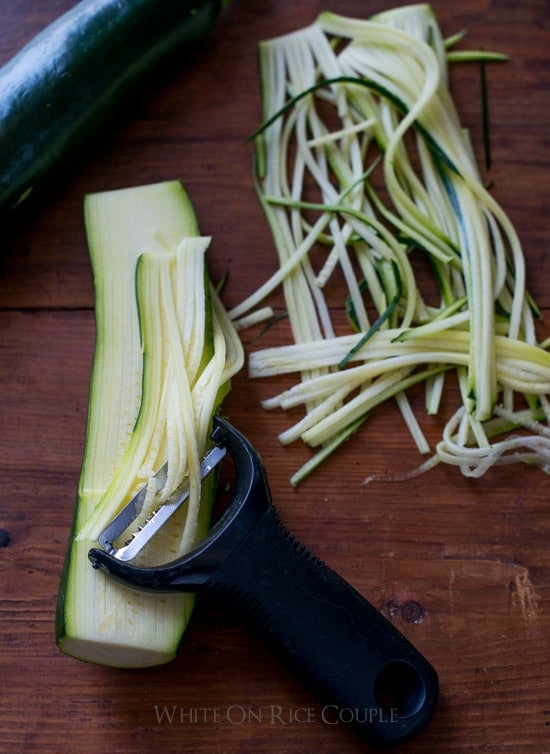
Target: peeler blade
x,y
124,519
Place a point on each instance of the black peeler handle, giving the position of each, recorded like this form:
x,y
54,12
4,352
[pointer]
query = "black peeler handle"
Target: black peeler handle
x,y
368,674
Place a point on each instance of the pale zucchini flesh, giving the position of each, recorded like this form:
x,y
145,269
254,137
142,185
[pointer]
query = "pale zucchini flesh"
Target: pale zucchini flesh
x,y
165,353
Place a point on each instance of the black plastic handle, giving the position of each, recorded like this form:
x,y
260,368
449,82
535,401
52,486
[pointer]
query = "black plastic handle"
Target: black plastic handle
x,y
369,675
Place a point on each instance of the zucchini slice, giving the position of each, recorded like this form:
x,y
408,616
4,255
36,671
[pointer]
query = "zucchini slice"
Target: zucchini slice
x,y
165,354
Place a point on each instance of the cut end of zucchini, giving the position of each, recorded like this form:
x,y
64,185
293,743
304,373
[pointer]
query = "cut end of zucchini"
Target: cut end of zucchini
x,y
115,655
165,354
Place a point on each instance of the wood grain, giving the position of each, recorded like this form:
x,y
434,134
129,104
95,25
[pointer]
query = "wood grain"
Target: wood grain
x,y
462,567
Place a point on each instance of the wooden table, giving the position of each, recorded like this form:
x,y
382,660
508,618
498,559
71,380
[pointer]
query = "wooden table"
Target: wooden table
x,y
462,567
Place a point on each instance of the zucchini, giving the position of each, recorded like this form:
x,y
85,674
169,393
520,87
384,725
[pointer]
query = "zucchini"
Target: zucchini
x,y
164,357
68,80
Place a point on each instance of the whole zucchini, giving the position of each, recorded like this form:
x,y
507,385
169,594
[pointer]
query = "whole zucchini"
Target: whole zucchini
x,y
71,77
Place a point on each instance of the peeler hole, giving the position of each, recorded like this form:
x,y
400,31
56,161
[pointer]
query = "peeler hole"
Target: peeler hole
x,y
399,689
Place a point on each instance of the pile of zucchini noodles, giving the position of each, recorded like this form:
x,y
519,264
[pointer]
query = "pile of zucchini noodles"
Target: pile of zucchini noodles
x,y
362,155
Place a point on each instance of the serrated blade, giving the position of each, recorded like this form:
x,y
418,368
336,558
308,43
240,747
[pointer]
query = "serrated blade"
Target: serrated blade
x,y
123,520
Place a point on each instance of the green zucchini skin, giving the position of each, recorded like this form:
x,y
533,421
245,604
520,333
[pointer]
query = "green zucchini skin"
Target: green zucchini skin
x,y
75,74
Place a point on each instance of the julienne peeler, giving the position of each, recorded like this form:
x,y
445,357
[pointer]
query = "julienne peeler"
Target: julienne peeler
x,y
342,648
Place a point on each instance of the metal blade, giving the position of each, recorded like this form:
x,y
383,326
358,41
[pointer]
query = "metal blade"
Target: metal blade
x,y
129,513
157,519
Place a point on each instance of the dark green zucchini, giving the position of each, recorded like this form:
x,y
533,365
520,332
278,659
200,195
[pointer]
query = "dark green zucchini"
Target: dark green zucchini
x,y
64,84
